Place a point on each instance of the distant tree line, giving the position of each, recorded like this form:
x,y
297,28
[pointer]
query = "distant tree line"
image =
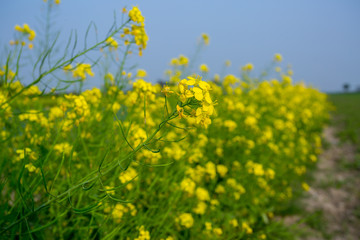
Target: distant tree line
x,y
346,88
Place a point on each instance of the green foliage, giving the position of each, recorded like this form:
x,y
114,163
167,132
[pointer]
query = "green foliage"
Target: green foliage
x,y
347,108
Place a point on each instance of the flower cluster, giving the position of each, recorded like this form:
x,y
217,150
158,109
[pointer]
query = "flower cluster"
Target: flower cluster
x,y
4,106
194,94
144,87
63,148
8,71
137,30
248,67
277,57
26,31
205,38
180,61
80,70
185,220
204,68
79,109
143,234
136,16
113,44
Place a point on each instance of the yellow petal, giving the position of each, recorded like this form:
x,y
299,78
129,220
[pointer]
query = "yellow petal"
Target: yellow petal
x,y
199,96
183,81
207,122
181,88
208,98
204,85
190,82
198,93
205,107
211,110
197,90
188,94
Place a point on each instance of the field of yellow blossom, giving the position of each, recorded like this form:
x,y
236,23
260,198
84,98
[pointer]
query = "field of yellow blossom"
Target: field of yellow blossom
x,y
197,158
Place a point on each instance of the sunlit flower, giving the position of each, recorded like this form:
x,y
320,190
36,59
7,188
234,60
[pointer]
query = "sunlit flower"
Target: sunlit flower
x,y
205,38
135,15
277,57
248,67
113,44
141,73
186,220
204,68
167,91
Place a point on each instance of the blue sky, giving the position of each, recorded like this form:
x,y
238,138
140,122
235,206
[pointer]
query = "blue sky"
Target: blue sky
x,y
320,39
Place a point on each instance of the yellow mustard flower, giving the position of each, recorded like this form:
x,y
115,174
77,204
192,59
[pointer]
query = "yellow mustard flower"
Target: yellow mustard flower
x,y
135,15
143,234
204,68
30,167
205,38
112,43
218,231
141,73
208,226
81,70
166,90
186,220
305,186
180,111
245,226
277,57
222,170
202,194
234,222
183,60
248,67
188,186
200,208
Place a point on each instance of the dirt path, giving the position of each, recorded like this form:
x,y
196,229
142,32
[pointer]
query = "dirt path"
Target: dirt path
x,y
334,193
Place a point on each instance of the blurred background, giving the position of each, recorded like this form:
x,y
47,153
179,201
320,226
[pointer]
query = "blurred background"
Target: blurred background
x,y
320,39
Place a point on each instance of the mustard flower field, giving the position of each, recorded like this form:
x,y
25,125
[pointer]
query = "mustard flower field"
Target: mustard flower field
x,y
197,157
